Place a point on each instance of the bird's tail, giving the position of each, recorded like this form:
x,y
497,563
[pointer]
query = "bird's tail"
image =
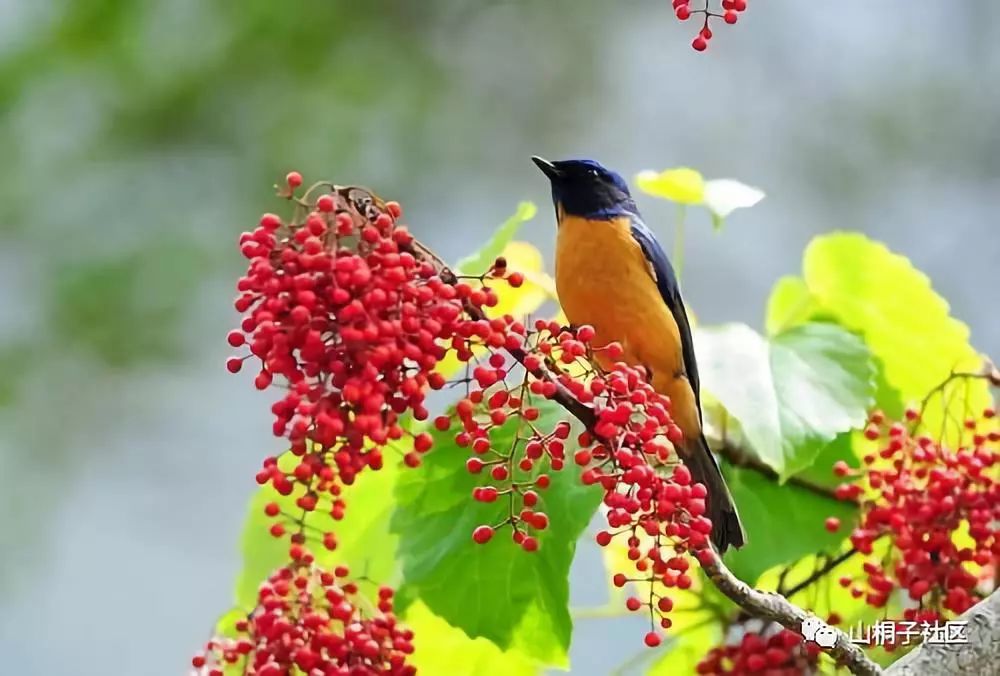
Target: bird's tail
x,y
727,531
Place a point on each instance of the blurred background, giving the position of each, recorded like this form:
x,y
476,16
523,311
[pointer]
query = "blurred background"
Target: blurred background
x,y
139,138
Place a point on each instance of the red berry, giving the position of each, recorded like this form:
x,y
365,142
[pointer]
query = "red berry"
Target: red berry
x,y
482,534
699,44
652,639
293,179
832,524
325,203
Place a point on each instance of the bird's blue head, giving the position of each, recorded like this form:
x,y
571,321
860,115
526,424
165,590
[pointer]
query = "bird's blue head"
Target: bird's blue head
x,y
586,188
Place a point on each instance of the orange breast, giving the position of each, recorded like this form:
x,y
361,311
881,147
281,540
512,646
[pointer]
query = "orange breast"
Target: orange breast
x,y
604,280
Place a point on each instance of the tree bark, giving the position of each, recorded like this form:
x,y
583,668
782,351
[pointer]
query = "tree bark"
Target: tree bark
x,y
980,656
775,607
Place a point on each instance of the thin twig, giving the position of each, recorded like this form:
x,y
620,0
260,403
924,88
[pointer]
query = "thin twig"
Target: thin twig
x,y
775,607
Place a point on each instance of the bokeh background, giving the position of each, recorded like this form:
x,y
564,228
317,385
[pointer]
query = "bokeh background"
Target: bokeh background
x,y
138,138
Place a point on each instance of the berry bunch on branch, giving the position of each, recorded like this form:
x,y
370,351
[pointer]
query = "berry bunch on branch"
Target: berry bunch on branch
x,y
351,322
937,507
763,648
728,10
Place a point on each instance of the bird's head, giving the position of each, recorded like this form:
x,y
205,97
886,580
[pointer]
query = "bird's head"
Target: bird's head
x,y
586,188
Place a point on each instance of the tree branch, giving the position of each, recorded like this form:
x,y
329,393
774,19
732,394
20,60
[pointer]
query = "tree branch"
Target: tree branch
x,y
775,607
766,605
980,655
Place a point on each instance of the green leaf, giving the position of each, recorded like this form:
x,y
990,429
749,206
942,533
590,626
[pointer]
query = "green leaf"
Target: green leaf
x,y
790,304
792,394
443,649
481,260
783,522
865,287
364,542
495,591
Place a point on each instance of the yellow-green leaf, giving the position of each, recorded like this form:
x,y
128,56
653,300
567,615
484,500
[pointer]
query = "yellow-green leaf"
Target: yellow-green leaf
x,y
364,542
537,288
865,287
443,649
685,649
790,304
682,185
481,261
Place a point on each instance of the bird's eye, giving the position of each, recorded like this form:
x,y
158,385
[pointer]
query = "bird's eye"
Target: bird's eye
x,y
594,172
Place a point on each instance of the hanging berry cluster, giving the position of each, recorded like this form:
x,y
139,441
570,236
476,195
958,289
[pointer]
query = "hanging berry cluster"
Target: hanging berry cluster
x,y
920,495
310,621
659,515
729,12
349,318
348,322
769,650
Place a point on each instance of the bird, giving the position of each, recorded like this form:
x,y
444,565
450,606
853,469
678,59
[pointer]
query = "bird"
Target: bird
x,y
614,276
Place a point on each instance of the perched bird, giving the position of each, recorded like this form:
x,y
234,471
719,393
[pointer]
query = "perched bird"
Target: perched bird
x,y
612,274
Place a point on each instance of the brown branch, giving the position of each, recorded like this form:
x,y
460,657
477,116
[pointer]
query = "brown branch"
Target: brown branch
x,y
740,458
819,573
775,607
766,605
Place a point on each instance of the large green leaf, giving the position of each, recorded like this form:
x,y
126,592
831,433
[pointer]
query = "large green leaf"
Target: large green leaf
x,y
481,261
791,394
783,523
495,591
865,287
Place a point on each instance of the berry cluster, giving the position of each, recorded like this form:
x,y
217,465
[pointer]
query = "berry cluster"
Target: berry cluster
x,y
308,621
661,518
773,652
349,323
353,326
350,318
920,494
730,13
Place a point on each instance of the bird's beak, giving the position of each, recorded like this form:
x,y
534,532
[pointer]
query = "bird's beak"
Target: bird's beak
x,y
549,169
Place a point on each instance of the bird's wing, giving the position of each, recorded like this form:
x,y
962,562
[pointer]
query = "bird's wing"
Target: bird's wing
x,y
666,282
